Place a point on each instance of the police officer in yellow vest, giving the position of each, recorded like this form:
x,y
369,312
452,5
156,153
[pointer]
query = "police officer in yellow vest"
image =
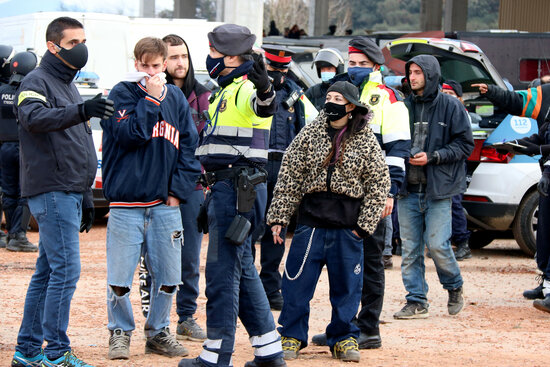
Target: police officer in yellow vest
x,y
233,150
391,127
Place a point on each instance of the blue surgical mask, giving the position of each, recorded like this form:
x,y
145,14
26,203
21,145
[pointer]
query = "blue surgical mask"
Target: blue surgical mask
x,y
214,66
357,75
327,75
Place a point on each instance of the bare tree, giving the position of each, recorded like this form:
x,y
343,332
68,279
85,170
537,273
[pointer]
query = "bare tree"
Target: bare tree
x,y
286,13
340,14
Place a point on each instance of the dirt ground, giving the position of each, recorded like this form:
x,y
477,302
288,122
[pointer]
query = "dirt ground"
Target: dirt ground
x,y
498,327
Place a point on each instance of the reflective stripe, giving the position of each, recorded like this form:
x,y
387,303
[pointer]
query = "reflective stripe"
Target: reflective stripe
x,y
246,132
30,94
269,349
208,356
397,135
212,344
235,150
396,161
375,128
264,339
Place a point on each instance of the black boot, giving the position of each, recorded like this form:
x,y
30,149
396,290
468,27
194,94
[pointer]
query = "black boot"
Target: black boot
x,y
535,293
463,252
279,362
191,362
543,305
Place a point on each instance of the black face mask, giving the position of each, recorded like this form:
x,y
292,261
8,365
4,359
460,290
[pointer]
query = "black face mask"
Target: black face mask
x,y
335,111
76,57
278,78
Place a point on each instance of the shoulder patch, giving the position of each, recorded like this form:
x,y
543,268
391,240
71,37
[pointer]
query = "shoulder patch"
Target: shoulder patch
x,y
30,94
392,93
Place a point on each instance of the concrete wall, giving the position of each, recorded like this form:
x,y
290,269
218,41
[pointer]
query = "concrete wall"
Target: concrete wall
x,y
249,13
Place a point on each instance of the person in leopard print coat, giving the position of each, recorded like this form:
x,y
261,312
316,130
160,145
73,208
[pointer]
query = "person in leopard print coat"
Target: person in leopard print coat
x,y
334,173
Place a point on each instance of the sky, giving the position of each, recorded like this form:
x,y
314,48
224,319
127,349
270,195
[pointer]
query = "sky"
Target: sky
x,y
125,7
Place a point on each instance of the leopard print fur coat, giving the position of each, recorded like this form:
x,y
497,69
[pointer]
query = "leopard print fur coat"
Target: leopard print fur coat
x,y
362,173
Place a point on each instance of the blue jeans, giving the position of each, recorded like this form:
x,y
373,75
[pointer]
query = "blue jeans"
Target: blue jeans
x,y
388,234
233,287
426,222
188,291
57,271
342,252
159,229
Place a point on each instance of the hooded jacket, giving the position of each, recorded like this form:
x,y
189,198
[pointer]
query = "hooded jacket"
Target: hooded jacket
x,y
449,138
56,147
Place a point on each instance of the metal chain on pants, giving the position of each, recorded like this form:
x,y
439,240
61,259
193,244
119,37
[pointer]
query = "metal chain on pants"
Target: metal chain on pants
x,y
303,261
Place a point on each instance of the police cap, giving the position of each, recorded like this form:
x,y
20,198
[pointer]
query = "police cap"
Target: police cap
x,y
368,47
278,57
231,39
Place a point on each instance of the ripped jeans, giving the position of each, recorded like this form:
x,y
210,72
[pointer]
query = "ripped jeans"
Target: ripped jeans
x,y
159,229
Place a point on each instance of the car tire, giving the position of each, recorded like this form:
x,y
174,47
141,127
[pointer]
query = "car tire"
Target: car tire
x,y
525,223
481,238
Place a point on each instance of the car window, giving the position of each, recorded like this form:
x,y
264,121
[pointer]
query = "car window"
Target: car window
x,y
463,72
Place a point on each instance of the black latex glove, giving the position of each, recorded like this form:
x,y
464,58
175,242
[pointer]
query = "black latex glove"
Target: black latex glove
x,y
258,74
88,215
530,148
544,184
99,107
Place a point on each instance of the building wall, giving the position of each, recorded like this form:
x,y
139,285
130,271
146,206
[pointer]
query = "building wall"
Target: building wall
x,y
524,15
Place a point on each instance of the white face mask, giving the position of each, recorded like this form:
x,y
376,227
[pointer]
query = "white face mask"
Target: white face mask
x,y
327,75
139,76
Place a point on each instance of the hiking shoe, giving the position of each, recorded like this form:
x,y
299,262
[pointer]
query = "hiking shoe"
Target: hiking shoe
x,y
369,341
456,301
542,304
165,344
119,345
388,262
319,339
347,350
535,293
278,362
412,310
291,347
191,362
463,252
276,301
190,330
69,359
19,243
19,360
3,239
